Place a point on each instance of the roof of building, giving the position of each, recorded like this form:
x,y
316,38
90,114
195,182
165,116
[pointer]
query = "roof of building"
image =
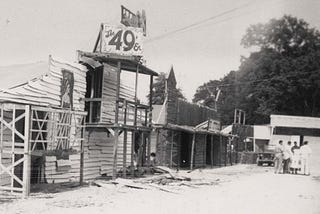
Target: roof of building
x,y
42,87
129,63
191,129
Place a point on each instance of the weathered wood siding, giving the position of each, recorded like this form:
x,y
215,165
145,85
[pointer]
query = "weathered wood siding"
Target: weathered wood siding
x,y
200,151
167,149
46,90
99,147
192,114
109,88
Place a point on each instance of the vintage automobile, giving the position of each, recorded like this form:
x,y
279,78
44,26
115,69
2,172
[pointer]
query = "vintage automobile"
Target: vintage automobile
x,y
265,158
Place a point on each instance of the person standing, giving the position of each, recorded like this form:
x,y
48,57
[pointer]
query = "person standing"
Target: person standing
x,y
305,152
295,166
286,157
278,157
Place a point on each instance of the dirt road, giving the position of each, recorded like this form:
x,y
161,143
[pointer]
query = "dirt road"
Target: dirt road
x,y
236,189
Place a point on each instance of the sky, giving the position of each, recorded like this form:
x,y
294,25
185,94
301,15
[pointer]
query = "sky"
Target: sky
x,y
31,30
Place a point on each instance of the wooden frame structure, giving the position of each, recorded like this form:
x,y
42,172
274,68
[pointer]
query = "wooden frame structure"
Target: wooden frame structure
x,y
198,140
129,115
14,148
27,130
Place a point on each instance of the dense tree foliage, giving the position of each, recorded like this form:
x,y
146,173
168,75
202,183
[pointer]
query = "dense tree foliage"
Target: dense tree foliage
x,y
159,90
281,77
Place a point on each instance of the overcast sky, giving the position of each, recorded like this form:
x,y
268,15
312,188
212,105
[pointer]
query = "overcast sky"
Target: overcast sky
x,y
31,30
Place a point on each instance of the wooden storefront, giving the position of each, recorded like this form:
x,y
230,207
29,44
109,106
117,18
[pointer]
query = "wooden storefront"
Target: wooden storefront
x,y
187,134
118,126
40,128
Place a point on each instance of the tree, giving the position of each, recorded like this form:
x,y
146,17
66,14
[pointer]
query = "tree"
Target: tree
x,y
281,77
206,94
159,90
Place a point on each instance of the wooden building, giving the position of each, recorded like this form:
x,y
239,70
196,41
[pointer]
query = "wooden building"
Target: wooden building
x,y
40,125
118,126
186,134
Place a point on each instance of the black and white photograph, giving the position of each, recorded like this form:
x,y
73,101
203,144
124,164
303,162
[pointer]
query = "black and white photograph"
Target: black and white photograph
x,y
153,107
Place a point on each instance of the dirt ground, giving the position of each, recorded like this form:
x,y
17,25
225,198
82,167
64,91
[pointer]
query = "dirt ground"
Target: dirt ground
x,y
234,189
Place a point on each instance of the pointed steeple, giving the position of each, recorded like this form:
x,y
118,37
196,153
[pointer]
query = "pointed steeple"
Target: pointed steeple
x,y
172,78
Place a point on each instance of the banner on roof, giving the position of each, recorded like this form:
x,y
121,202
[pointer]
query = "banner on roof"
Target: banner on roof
x,y
122,40
131,19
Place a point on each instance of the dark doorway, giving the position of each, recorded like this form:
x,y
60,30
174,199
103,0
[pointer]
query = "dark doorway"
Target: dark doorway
x,y
208,151
185,149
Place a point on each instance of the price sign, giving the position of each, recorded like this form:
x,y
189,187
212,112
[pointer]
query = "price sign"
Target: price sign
x,y
122,40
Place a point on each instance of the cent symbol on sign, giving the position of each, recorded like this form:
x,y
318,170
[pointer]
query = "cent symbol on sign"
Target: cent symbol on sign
x,y
122,40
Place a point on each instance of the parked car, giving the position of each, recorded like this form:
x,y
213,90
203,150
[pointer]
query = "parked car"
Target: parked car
x,y
265,158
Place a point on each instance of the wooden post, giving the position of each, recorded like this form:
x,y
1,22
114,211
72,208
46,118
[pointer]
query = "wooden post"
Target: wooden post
x,y
157,145
136,96
179,150
150,100
134,122
220,148
82,152
141,148
27,155
226,153
116,120
205,151
211,152
115,150
125,138
98,40
149,149
192,150
13,143
133,142
171,148
150,118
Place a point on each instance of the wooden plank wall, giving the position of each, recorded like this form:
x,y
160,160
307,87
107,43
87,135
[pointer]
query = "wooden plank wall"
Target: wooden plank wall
x,y
200,151
192,114
163,148
46,90
109,93
98,158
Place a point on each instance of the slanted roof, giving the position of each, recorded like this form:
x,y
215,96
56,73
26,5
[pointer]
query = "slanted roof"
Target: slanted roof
x,y
45,88
191,129
129,63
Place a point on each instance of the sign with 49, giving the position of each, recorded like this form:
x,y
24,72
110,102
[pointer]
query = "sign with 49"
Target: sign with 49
x,y
122,40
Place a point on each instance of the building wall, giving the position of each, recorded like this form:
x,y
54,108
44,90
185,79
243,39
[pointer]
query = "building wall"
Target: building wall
x,y
200,151
98,158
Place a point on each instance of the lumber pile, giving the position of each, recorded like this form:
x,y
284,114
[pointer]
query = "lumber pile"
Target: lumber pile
x,y
6,161
5,179
60,171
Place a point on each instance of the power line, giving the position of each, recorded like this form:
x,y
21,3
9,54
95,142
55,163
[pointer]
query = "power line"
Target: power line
x,y
199,22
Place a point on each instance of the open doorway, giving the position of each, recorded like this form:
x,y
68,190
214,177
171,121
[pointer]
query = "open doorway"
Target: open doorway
x,y
209,152
185,149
